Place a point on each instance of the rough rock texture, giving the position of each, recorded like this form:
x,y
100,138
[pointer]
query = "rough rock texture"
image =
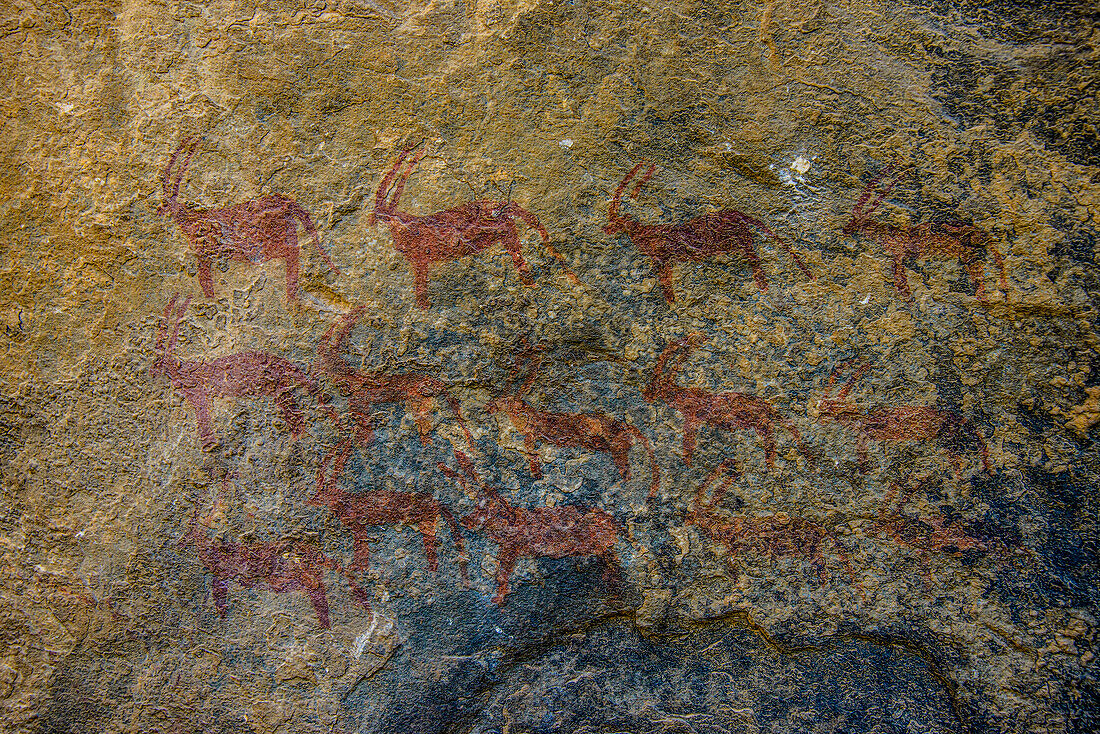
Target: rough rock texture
x,y
920,555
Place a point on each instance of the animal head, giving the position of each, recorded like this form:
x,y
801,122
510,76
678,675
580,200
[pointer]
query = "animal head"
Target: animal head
x,y
166,359
393,185
663,372
170,184
616,221
861,217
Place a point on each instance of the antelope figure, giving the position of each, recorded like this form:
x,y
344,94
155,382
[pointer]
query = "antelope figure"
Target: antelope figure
x,y
696,239
364,390
253,231
361,512
730,410
246,374
537,532
454,233
595,431
952,432
282,566
775,536
931,240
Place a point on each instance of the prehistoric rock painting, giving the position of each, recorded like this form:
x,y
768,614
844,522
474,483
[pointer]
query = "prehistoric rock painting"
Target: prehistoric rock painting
x,y
537,532
931,240
282,566
701,238
253,231
246,374
454,233
591,430
730,410
366,389
775,536
362,511
952,432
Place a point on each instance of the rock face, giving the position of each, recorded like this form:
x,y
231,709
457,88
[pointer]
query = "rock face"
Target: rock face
x,y
549,367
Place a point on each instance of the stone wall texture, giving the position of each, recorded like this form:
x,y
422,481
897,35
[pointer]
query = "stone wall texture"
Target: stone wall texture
x,y
549,366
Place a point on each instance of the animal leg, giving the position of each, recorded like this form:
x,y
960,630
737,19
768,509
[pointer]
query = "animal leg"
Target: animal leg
x,y
290,255
512,245
664,277
862,456
901,279
290,412
421,410
691,429
200,401
975,268
532,450
316,591
360,562
219,589
620,454
506,561
420,283
749,252
427,531
206,278
767,437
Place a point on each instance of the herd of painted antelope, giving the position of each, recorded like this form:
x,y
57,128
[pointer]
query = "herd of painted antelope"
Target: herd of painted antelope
x,y
267,228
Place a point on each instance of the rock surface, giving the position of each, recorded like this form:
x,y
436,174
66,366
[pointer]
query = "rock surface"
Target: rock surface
x,y
222,499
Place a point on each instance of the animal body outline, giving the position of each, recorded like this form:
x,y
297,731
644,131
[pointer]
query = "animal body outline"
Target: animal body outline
x,y
454,233
251,373
537,532
700,238
949,430
729,410
937,239
253,231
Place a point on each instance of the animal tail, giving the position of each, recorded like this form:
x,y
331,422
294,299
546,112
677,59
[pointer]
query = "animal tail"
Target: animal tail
x,y
655,470
532,221
307,221
782,243
456,533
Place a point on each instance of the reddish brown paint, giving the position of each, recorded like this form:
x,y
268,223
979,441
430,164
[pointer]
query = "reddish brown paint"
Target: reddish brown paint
x,y
282,566
361,512
454,233
246,374
774,536
253,231
366,389
904,423
592,430
729,410
703,237
538,532
930,240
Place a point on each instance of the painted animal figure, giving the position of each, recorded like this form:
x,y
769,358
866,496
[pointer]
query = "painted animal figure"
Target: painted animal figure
x,y
454,233
701,238
253,231
927,241
539,532
925,535
592,430
366,389
359,513
283,566
775,536
246,374
730,410
951,431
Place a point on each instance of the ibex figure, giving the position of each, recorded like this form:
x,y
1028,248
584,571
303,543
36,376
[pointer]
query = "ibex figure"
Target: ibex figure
x,y
454,233
931,240
247,374
703,237
253,231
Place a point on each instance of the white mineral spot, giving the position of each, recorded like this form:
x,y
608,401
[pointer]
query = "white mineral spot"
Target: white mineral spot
x,y
866,300
800,165
565,143
65,107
